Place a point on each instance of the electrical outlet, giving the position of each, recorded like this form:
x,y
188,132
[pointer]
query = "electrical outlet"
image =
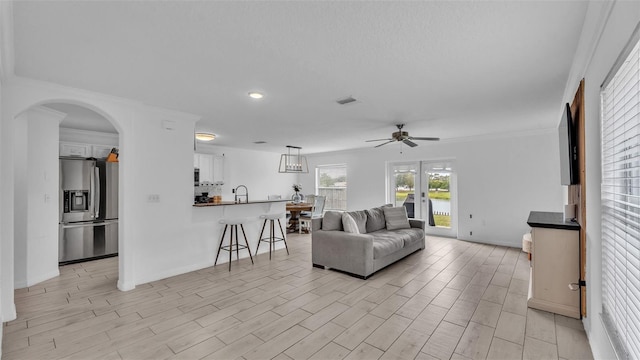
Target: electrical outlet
x,y
153,198
470,233
470,216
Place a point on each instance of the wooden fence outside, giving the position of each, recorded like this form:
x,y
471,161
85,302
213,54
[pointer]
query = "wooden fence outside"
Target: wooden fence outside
x,y
336,197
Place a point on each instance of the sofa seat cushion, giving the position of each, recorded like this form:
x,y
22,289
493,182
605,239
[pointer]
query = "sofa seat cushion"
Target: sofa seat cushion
x,y
386,242
411,236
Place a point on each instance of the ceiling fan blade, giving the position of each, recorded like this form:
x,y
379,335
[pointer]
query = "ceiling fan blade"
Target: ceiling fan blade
x,y
409,142
385,143
424,138
378,140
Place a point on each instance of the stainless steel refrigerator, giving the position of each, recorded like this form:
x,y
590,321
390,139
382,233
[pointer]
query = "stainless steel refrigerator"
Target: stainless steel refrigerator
x,y
88,210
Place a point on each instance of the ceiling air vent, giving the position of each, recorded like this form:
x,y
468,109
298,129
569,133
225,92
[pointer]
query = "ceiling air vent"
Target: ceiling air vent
x,y
259,142
346,100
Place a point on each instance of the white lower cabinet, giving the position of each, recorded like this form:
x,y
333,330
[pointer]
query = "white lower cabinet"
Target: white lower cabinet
x,y
555,271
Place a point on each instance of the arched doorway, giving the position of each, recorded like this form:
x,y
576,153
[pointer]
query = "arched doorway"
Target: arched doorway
x,y
36,162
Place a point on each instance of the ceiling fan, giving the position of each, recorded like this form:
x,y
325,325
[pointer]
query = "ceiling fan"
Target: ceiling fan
x,y
404,137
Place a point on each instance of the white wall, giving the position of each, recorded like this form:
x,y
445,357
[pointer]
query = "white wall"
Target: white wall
x,y
500,180
167,237
258,170
36,196
607,30
7,306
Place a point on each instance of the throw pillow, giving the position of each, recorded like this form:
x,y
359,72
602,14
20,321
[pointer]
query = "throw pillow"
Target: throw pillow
x,y
396,218
332,220
349,224
361,220
375,219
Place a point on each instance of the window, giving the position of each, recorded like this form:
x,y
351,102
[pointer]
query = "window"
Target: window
x,y
620,195
331,181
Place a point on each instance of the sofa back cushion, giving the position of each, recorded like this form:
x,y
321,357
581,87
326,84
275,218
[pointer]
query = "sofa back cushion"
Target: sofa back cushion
x,y
332,220
375,219
349,224
360,217
396,218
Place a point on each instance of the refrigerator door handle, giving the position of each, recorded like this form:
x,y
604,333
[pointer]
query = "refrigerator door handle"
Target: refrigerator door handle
x,y
97,192
88,224
92,191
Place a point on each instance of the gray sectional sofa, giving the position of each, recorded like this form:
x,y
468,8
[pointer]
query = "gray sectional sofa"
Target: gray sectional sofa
x,y
363,242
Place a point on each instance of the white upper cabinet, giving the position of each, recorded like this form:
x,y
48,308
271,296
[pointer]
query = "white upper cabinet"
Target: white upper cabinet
x,y
211,167
75,149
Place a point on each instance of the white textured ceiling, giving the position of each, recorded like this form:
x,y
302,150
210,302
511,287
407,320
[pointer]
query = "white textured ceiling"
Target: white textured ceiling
x,y
447,69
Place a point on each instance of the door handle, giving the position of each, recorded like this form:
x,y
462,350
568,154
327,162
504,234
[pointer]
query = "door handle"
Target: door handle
x,y
574,286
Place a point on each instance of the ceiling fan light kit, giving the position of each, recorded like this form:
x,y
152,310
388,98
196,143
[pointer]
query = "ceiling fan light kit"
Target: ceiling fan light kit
x,y
403,136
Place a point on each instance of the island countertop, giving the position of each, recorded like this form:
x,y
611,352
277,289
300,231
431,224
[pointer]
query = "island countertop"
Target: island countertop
x,y
224,203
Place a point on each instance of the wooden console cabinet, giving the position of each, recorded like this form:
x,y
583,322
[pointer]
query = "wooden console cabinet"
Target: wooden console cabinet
x,y
555,264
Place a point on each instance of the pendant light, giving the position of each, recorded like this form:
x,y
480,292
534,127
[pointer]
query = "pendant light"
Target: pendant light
x,y
293,163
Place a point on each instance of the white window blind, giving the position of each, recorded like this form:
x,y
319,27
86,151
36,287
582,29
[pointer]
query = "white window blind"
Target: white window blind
x,y
620,195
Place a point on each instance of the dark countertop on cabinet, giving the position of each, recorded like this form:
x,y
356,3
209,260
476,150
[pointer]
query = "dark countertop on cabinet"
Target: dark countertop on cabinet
x,y
221,203
551,220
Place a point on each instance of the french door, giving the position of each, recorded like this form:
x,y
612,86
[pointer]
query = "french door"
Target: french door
x,y
428,190
439,198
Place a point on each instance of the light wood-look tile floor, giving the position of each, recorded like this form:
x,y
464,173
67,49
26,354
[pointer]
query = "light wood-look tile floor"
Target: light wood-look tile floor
x,y
453,300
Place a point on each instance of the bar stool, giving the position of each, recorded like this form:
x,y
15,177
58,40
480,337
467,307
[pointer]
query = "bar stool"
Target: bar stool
x,y
272,239
233,225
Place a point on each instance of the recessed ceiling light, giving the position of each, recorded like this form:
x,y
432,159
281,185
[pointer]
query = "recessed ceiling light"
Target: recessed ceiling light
x,y
203,136
255,95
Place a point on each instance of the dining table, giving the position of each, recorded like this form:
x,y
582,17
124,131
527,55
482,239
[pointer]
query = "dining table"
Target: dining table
x,y
295,209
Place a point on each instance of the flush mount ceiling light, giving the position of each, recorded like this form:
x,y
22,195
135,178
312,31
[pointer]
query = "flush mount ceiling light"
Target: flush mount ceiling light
x,y
293,163
204,136
256,95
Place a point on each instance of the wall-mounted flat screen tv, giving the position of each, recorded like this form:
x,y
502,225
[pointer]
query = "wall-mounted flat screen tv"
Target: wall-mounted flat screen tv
x,y
568,148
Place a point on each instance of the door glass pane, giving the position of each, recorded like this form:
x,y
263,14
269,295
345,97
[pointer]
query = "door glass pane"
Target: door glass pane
x,y
404,187
440,197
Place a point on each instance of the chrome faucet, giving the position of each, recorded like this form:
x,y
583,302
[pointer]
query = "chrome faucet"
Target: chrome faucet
x,y
238,196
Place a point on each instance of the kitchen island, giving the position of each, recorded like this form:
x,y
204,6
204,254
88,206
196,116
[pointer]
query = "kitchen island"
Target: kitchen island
x,y
223,203
206,217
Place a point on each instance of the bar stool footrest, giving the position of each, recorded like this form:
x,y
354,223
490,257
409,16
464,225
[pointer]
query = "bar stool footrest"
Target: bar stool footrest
x,y
233,247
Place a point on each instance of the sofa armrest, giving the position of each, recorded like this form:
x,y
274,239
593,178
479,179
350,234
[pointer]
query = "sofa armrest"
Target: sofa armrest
x,y
316,224
343,251
417,223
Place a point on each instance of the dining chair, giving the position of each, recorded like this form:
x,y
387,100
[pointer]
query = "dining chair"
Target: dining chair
x,y
316,212
309,199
